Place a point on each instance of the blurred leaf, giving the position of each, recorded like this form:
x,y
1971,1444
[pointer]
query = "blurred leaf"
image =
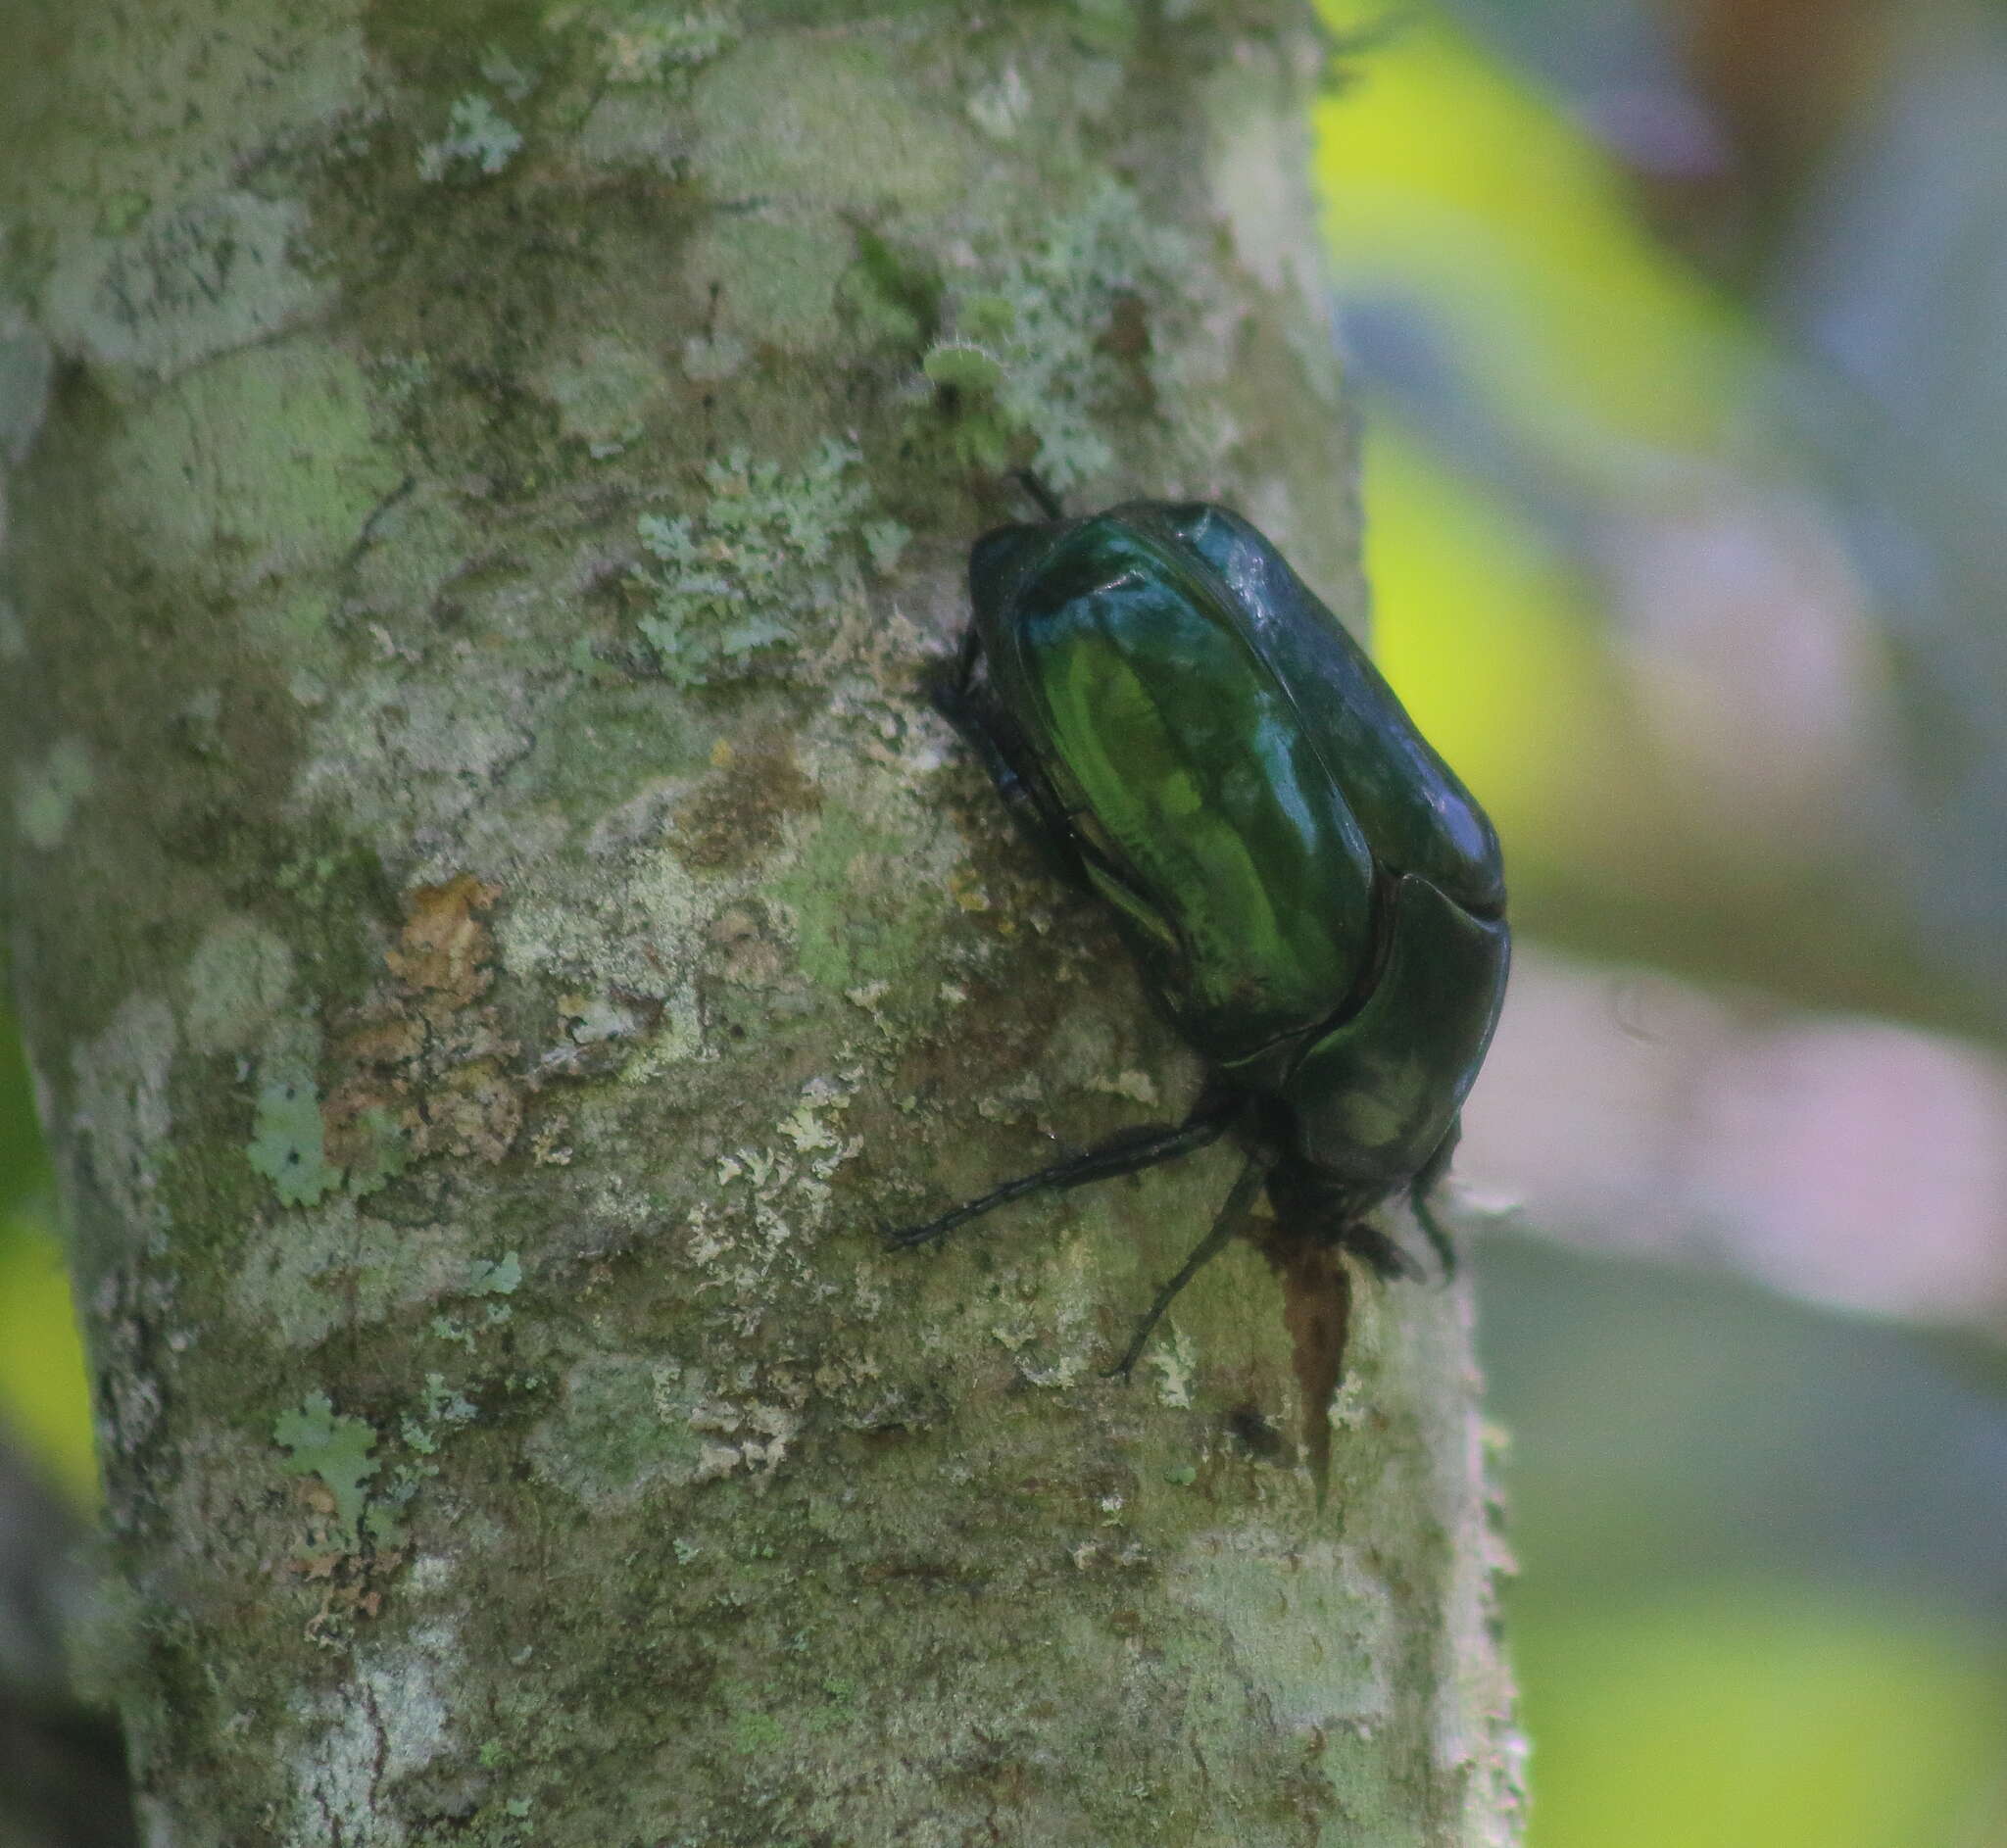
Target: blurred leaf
x,y
1758,1716
1450,183
44,1390
1490,636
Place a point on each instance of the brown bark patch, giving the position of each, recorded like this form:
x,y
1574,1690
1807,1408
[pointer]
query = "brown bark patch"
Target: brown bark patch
x,y
420,1053
736,814
445,948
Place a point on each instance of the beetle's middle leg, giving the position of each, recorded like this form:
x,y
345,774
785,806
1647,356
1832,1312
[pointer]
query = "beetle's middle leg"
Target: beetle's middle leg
x,y
1129,1153
1226,1222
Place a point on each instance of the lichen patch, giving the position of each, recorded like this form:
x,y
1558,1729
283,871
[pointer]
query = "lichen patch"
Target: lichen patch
x,y
46,793
122,1117
239,978
191,281
357,1742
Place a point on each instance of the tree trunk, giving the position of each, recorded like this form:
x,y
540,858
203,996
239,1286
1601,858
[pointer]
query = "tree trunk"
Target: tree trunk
x,y
501,933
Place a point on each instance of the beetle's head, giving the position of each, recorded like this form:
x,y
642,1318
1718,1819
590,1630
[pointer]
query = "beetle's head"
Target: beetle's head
x,y
1003,555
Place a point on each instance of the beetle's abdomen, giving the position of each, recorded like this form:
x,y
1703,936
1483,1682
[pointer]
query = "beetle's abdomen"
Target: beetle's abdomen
x,y
1374,1096
1201,806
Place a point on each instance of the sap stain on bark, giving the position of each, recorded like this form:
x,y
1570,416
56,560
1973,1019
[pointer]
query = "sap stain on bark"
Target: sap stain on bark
x,y
1317,1311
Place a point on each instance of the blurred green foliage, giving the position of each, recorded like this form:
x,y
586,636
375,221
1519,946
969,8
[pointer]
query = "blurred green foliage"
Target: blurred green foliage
x,y
43,1395
1761,1596
1747,1713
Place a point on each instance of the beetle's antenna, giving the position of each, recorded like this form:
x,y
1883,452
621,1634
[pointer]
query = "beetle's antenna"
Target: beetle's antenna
x,y
1048,501
1226,1222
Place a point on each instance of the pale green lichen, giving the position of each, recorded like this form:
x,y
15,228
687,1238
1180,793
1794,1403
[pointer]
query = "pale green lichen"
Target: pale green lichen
x,y
477,134
255,465
288,1143
758,1736
656,43
46,793
760,568
828,120
885,544
320,1441
443,1408
496,1277
846,892
963,366
762,281
121,1103
321,1267
1046,317
600,392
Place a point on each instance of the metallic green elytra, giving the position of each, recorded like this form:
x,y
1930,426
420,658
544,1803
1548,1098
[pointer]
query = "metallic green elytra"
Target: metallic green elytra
x,y
1313,898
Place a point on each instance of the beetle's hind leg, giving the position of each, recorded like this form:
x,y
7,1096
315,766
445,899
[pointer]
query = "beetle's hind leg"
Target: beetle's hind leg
x,y
1378,1252
1130,1152
1226,1222
1423,1187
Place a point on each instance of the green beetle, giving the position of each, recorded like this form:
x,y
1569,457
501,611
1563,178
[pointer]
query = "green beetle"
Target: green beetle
x,y
1313,898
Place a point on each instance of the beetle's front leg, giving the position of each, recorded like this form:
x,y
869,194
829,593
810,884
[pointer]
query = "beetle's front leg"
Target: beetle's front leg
x,y
1129,1153
1030,805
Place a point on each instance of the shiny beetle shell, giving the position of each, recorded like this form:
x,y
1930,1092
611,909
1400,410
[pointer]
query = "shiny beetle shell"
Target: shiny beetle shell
x,y
1313,896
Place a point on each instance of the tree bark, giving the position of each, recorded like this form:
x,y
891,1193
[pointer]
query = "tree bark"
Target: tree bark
x,y
501,933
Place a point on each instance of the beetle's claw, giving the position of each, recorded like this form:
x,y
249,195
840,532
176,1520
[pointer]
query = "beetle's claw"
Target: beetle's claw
x,y
1375,1250
1125,1368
